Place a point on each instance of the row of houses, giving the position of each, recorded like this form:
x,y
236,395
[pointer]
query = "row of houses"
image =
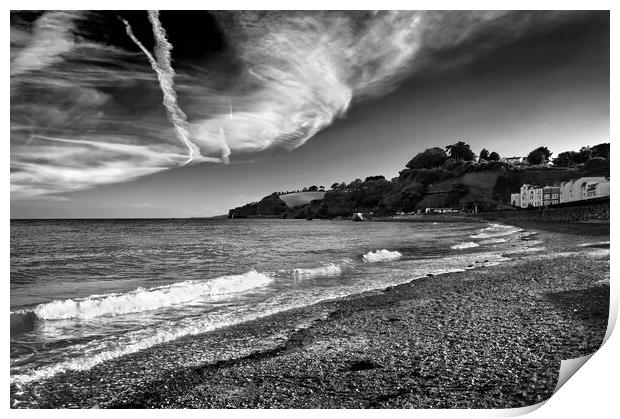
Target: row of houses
x,y
573,190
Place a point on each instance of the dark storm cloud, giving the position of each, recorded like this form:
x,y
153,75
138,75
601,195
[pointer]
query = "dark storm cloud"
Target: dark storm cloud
x,y
86,102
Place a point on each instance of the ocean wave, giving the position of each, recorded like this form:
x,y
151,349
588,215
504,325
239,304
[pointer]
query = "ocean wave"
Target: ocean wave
x,y
137,341
149,299
118,349
381,256
465,245
22,322
326,270
495,230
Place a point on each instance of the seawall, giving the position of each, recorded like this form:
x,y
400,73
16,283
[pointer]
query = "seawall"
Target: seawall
x,y
594,210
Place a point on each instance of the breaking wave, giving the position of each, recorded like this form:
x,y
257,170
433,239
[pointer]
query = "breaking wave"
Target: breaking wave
x,y
148,299
86,362
465,245
326,270
495,230
381,256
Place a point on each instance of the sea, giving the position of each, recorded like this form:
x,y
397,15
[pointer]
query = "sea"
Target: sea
x,y
87,291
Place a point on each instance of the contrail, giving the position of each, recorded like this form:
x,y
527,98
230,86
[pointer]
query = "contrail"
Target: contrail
x,y
225,148
165,75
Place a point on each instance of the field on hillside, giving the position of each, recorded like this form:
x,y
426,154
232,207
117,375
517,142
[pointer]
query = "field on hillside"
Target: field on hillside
x,y
300,198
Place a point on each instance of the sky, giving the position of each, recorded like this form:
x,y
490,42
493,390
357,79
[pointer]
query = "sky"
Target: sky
x,y
189,114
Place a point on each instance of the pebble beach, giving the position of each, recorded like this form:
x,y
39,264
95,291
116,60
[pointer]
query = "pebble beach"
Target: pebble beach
x,y
490,337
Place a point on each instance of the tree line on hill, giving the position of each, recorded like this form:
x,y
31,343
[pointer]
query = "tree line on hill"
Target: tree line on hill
x,y
312,188
461,151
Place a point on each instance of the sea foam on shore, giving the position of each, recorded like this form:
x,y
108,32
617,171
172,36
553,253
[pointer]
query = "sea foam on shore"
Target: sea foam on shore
x,y
326,270
465,245
381,256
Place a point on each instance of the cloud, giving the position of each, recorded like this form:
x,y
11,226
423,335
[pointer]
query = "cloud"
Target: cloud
x,y
50,165
51,37
86,112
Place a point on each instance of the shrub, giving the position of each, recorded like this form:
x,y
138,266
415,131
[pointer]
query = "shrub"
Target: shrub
x,y
429,158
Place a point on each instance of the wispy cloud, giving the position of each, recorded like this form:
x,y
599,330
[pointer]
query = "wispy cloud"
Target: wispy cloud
x,y
54,165
86,113
51,37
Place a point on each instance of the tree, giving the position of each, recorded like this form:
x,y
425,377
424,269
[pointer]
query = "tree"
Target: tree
x,y
335,186
484,154
601,150
304,189
460,151
540,155
355,184
373,178
313,188
566,159
598,165
429,158
585,153
493,156
321,188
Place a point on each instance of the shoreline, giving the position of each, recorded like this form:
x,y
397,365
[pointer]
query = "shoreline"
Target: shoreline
x,y
487,337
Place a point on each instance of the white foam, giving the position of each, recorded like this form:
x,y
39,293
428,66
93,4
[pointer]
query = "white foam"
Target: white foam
x,y
382,256
149,299
601,243
187,328
465,245
496,230
86,362
325,270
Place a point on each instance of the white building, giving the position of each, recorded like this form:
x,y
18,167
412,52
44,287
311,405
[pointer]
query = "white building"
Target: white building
x,y
531,196
551,195
515,199
584,188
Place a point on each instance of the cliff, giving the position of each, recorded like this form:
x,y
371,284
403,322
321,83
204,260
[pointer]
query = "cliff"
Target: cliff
x,y
269,206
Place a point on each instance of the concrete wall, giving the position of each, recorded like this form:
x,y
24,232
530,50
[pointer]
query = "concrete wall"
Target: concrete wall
x,y
583,211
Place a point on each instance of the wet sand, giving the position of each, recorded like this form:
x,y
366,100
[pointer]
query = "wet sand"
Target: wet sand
x,y
491,337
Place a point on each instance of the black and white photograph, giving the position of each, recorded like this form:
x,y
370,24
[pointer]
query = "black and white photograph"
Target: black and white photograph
x,y
306,209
